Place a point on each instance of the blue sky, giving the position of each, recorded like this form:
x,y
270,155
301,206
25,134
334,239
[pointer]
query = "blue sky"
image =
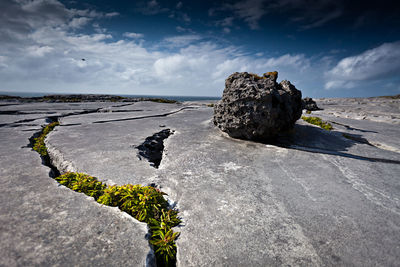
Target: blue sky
x,y
329,48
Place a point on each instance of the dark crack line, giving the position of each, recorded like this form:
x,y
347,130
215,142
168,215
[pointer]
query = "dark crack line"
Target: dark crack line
x,y
125,110
145,117
352,128
16,112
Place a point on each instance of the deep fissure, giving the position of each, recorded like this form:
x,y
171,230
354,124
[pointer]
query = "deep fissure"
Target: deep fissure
x,y
153,147
159,216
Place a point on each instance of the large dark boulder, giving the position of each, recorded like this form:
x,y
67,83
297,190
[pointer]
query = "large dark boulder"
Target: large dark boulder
x,y
257,108
309,104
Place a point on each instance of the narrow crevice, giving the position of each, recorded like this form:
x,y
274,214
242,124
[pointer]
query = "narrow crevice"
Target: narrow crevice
x,y
145,117
17,112
153,147
54,172
120,110
159,216
352,128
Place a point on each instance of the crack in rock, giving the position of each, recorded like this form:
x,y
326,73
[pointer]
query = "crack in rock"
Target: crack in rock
x,y
153,147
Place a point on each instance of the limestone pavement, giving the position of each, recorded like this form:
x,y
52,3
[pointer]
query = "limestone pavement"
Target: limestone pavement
x,y
315,198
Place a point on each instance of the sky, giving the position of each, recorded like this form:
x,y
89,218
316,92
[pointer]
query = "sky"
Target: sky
x,y
327,48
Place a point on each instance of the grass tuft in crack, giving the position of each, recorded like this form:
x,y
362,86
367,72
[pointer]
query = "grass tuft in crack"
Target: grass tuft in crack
x,y
39,145
145,203
317,121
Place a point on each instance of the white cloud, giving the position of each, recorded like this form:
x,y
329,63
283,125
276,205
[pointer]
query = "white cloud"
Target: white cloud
x,y
133,35
378,63
111,14
79,22
50,58
181,40
39,51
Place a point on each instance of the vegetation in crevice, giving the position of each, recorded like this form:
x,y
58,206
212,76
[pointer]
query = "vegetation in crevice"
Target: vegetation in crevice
x,y
39,145
145,203
318,122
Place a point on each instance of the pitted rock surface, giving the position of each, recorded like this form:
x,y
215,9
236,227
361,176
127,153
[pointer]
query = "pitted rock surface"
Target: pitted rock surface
x,y
257,108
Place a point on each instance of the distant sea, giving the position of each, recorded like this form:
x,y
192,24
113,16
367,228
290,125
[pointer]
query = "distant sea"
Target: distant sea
x,y
177,98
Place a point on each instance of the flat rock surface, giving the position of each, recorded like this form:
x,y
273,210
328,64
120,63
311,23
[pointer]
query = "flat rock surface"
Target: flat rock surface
x,y
315,198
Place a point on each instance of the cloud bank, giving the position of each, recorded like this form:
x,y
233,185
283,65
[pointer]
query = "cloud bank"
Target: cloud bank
x,y
379,63
43,49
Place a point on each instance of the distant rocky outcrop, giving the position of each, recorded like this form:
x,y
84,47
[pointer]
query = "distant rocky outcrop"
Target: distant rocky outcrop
x,y
257,108
75,98
309,104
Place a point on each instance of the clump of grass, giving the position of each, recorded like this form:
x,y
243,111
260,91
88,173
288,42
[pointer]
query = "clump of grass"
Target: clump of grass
x,y
317,121
210,105
82,183
38,144
145,203
308,111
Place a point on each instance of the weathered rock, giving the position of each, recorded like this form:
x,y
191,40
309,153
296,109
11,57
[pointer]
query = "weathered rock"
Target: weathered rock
x,y
257,108
309,104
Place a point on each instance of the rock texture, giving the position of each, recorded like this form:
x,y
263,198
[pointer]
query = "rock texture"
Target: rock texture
x,y
257,108
309,104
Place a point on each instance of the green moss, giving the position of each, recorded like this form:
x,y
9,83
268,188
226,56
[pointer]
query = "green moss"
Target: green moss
x,y
273,74
308,111
317,121
145,203
39,145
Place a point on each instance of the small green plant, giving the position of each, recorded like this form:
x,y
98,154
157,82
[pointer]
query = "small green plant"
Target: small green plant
x,y
39,145
308,111
211,105
317,121
82,183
